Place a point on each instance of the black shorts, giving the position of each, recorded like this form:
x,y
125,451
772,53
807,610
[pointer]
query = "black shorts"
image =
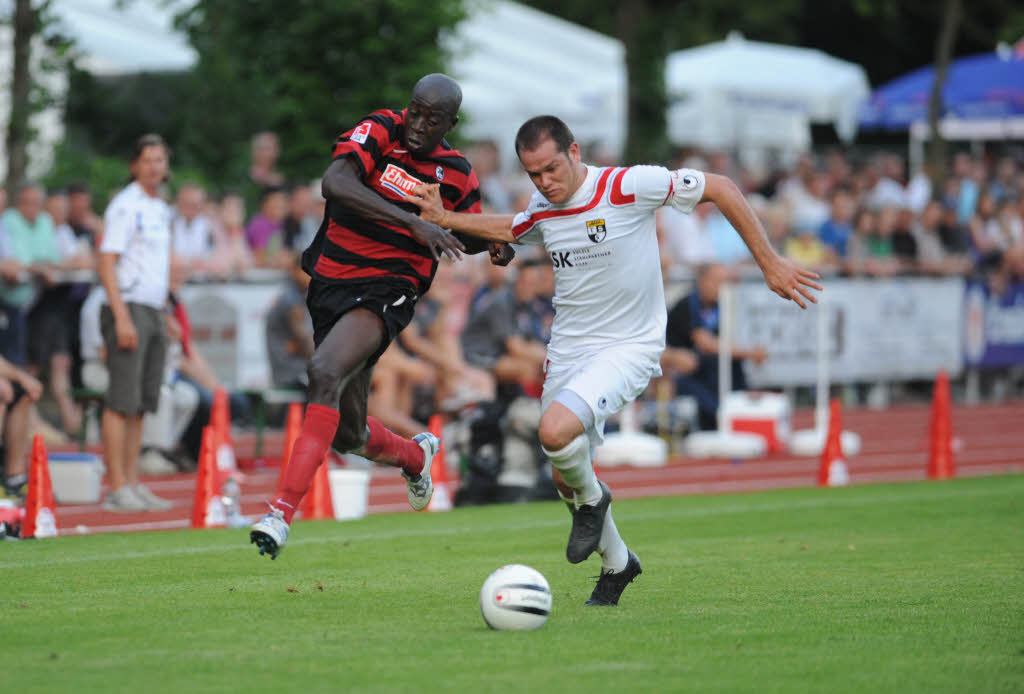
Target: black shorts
x,y
13,334
49,328
393,302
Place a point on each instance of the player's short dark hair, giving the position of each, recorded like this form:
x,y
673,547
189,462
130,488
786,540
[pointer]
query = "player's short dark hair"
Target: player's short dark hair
x,y
537,129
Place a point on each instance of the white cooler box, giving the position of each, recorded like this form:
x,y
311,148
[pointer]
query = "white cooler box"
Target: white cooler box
x,y
755,412
77,477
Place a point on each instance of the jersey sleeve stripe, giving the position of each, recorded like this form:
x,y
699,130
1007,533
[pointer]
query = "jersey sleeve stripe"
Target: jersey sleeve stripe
x,y
671,189
617,197
602,184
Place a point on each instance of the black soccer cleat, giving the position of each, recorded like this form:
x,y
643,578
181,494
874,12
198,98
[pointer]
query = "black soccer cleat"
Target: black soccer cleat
x,y
587,524
610,585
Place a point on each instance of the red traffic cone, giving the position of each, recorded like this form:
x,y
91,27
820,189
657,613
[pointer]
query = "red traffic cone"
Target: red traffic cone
x,y
317,503
832,471
940,459
40,507
442,498
207,506
292,425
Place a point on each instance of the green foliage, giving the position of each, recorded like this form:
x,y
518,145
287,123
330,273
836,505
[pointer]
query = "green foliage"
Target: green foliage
x,y
75,162
883,588
110,113
306,69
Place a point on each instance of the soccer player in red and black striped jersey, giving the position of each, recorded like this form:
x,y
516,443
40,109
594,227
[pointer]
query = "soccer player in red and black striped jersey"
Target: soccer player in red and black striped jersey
x,y
372,258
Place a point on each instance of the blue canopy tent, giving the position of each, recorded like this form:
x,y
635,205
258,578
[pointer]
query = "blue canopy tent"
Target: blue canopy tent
x,y
982,99
979,87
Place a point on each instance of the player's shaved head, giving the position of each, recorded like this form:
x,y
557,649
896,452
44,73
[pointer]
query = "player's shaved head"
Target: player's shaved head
x,y
440,92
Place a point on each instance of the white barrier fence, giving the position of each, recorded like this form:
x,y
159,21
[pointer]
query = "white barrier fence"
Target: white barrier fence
x,y
229,328
875,330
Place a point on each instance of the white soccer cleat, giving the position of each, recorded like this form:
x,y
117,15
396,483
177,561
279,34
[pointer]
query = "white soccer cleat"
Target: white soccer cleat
x,y
271,533
421,488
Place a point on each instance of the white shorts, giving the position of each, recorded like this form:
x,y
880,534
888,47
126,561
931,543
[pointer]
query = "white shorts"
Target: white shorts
x,y
607,381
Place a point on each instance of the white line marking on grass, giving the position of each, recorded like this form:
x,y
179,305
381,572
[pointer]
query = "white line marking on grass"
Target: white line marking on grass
x,y
703,511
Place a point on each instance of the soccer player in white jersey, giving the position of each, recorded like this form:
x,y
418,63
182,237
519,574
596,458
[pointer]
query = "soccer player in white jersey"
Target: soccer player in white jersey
x,y
598,226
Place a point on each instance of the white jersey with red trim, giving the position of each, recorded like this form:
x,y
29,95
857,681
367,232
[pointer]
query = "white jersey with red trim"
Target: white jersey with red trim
x,y
604,248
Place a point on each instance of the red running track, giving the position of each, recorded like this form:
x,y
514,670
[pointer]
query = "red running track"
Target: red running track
x,y
989,440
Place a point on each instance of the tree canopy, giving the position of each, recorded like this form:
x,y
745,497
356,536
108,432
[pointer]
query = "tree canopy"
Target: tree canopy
x,y
305,69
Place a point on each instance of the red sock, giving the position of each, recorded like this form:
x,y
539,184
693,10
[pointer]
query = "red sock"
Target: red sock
x,y
389,448
318,428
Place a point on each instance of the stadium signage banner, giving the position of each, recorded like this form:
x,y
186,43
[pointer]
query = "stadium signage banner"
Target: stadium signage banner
x,y
993,326
879,329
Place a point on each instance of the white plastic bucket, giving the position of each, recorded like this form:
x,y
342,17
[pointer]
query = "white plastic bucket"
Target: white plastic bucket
x,y
350,492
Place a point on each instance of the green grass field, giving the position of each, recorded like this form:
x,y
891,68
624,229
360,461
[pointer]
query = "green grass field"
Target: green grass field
x,y
895,588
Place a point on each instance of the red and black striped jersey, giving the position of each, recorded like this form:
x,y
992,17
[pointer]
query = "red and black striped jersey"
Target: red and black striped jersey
x,y
349,248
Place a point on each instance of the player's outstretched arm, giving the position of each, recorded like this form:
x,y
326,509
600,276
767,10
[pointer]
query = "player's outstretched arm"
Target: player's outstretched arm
x,y
343,183
782,276
491,227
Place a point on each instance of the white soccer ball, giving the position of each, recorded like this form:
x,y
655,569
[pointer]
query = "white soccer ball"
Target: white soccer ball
x,y
515,597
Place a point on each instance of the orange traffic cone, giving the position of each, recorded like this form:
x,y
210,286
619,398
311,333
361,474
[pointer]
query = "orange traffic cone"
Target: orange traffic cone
x,y
832,472
317,503
292,425
940,460
442,498
207,506
224,452
40,507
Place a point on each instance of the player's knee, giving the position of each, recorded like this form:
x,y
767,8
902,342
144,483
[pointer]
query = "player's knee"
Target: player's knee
x,y
325,380
554,436
350,437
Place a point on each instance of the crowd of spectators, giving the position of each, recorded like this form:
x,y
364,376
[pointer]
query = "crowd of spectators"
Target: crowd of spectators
x,y
476,346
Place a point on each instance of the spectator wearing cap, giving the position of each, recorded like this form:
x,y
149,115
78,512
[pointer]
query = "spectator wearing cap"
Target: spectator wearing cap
x,y
134,265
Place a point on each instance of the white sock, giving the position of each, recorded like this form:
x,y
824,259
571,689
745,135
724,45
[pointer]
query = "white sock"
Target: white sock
x,y
613,551
569,501
573,463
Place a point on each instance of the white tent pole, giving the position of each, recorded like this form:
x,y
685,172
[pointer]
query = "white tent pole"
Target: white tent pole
x,y
725,316
916,154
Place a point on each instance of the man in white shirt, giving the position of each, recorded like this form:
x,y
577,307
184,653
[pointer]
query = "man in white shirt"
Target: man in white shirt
x,y
598,225
191,231
134,266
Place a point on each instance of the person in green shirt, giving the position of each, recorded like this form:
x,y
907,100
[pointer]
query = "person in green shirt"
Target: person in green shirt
x,y
27,243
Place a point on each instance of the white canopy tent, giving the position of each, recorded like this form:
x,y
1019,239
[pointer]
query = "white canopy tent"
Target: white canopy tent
x,y
514,62
743,94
